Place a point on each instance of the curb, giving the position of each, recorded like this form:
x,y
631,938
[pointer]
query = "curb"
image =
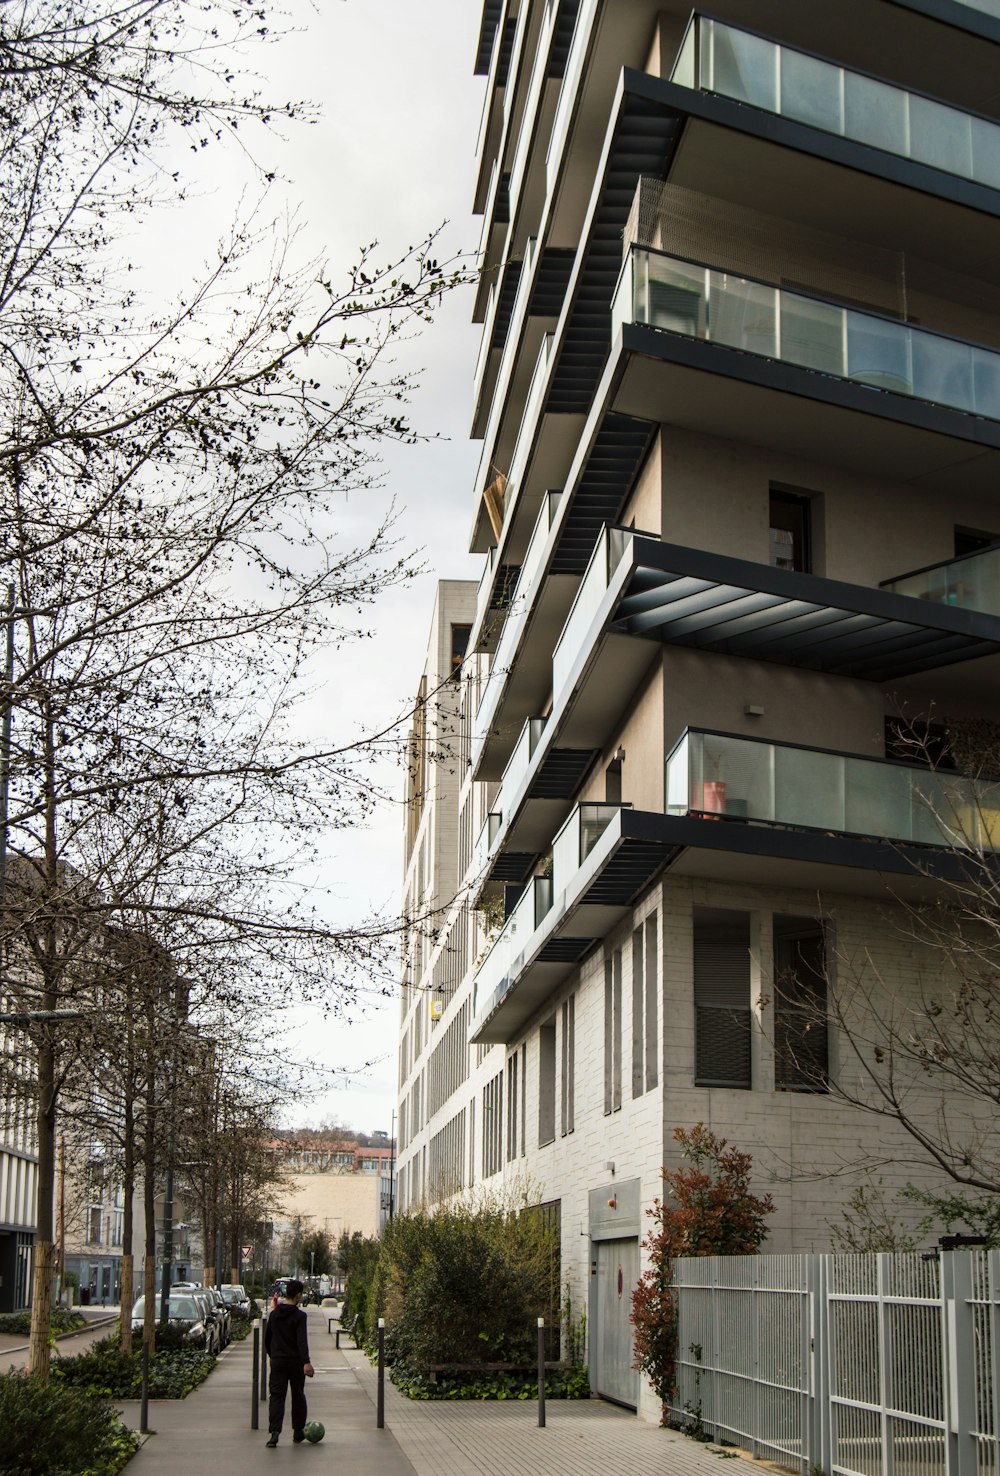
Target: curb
x,y
60,1337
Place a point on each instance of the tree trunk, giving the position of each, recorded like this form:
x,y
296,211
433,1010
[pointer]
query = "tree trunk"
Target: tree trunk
x,y
41,1300
128,1212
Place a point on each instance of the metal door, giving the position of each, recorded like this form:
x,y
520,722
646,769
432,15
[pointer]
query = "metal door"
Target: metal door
x,y
611,1372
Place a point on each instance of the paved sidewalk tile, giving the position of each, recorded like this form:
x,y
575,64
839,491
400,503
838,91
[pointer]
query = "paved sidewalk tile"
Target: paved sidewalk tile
x,y
209,1433
501,1438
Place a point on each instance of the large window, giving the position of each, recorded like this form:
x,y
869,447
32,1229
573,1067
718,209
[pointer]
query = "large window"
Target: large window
x,y
613,1031
645,990
493,1126
547,1083
800,1005
568,1064
722,998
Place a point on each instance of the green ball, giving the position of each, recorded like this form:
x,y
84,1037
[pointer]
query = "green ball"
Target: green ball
x,y
314,1431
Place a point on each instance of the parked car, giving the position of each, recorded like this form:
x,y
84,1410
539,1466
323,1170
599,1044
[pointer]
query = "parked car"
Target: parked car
x,y
220,1308
236,1298
187,1312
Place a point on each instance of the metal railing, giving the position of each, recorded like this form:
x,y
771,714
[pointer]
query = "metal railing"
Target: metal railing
x,y
852,1364
700,301
738,64
726,777
609,550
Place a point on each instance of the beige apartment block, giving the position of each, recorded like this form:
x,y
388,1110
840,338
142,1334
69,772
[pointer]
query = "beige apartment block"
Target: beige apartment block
x,y
739,406
336,1203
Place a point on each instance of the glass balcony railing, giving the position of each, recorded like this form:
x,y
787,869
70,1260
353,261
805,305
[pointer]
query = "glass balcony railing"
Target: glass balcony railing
x,y
517,767
986,7
485,842
576,840
751,69
608,553
495,973
720,776
689,298
969,583
532,404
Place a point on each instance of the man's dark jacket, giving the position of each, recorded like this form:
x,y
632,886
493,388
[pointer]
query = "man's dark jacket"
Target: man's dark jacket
x,y
285,1335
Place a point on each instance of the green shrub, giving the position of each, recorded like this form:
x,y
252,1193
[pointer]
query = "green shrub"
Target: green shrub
x,y
52,1430
465,1284
18,1324
560,1383
104,1371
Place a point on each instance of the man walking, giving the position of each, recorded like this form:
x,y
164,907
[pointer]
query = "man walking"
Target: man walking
x,y
287,1345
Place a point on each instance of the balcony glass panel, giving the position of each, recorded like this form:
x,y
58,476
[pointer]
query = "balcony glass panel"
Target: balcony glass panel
x,y
588,597
811,91
743,314
875,114
969,583
517,767
495,974
778,784
683,297
988,7
576,840
742,66
812,333
779,79
485,842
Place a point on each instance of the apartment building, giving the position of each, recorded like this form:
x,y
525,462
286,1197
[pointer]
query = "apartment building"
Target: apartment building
x,y
18,1173
739,379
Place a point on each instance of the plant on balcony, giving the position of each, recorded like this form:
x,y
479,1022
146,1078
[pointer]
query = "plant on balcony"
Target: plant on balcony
x,y
708,1209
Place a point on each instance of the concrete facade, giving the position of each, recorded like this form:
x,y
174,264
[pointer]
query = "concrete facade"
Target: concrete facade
x,y
698,525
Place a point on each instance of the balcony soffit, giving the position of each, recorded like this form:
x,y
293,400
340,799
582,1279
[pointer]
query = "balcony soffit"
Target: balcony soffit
x,y
732,606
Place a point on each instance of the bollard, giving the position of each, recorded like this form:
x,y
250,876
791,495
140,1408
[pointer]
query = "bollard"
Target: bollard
x,y
254,1396
144,1405
263,1363
541,1373
380,1407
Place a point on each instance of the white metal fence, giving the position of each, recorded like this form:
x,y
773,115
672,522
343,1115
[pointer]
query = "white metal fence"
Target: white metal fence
x,y
871,1365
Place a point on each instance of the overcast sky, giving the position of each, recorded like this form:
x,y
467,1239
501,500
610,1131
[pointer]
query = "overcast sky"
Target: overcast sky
x,y
391,158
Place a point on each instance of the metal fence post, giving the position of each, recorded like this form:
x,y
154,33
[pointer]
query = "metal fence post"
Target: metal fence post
x,y
254,1386
541,1373
820,1447
144,1404
962,1455
380,1407
263,1362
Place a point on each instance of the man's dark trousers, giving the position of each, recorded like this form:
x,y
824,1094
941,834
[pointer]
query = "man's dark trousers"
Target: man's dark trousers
x,y
286,1373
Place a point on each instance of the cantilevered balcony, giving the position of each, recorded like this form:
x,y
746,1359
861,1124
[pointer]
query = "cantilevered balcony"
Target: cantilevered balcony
x,y
734,63
697,301
971,582
721,776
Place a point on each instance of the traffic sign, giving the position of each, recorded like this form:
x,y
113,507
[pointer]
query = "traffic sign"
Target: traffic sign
x,y
247,1252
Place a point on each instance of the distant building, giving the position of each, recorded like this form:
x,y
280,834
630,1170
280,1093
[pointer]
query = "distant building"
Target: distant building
x,y
334,1185
18,1178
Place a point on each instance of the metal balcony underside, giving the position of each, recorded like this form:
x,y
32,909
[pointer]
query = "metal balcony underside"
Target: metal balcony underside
x,y
492,11
512,866
641,143
506,293
642,845
561,773
715,603
562,37
612,464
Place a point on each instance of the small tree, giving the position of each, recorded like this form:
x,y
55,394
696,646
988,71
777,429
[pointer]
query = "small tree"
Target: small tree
x,y
708,1210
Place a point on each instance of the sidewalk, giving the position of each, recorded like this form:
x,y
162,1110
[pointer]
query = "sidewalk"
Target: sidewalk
x,y
209,1434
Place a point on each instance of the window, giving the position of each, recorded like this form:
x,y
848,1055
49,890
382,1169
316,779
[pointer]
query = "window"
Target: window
x,y
547,1083
568,1064
645,1072
513,1105
971,540
613,1032
790,532
800,1025
459,645
722,998
94,1227
493,1125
